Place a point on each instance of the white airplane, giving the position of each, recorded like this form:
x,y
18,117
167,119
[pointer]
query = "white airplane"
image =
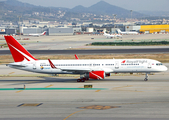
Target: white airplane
x,y
112,36
118,36
126,33
37,35
88,69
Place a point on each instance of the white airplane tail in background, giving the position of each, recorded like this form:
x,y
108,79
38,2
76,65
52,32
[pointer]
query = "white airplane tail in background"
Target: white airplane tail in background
x,y
43,33
119,31
18,52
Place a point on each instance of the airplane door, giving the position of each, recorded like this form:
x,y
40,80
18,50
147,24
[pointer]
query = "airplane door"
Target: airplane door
x,y
149,65
117,65
34,66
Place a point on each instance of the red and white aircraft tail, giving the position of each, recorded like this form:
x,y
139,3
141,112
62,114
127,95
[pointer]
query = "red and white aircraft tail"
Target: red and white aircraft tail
x,y
43,33
18,52
37,35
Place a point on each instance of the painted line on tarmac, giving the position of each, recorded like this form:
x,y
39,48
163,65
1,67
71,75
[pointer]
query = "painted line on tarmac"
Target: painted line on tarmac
x,y
19,91
97,90
74,113
48,86
11,72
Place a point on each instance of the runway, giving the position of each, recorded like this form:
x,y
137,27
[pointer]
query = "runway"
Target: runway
x,y
95,51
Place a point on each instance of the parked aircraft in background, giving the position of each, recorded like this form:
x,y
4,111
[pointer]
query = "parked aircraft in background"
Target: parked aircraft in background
x,y
112,36
108,35
37,35
88,69
118,36
127,33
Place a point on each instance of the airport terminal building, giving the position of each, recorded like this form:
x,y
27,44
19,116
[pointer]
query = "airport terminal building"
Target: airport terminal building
x,y
148,29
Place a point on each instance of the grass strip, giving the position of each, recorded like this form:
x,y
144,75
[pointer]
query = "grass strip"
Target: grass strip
x,y
131,43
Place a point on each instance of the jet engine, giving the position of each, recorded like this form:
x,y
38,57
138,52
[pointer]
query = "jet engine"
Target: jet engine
x,y
96,75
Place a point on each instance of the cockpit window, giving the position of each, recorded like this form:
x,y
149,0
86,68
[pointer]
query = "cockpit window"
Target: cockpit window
x,y
159,64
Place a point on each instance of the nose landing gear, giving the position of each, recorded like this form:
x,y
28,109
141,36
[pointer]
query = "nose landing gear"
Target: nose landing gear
x,y
146,77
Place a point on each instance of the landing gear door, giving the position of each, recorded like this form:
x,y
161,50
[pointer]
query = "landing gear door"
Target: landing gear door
x,y
117,65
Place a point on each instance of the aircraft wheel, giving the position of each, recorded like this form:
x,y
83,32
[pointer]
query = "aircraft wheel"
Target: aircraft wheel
x,y
145,79
82,80
78,80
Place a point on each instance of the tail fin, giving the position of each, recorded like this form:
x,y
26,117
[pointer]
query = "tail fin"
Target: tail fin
x,y
18,52
43,33
118,30
105,33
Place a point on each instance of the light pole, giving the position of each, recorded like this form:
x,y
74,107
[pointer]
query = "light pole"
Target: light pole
x,y
114,21
131,14
19,27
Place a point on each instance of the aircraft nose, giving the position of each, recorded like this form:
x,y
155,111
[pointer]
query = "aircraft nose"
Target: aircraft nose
x,y
165,68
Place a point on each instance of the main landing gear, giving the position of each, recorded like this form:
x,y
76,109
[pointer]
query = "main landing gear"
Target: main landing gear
x,y
83,78
146,77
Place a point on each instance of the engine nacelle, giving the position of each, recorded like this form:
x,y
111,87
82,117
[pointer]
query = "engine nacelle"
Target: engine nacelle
x,y
97,75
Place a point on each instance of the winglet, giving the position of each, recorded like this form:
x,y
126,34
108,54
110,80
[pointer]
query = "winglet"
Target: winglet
x,y
51,64
76,57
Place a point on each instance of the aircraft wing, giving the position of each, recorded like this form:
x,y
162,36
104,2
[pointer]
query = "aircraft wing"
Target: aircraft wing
x,y
75,70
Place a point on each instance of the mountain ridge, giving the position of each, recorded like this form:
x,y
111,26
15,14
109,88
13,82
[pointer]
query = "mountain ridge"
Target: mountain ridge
x,y
13,8
103,7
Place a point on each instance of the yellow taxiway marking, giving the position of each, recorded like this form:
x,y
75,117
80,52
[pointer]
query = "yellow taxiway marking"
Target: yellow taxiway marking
x,y
74,113
97,90
11,72
19,91
48,86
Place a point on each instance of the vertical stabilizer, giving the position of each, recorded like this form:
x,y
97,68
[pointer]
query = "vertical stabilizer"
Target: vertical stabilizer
x,y
119,31
18,52
43,33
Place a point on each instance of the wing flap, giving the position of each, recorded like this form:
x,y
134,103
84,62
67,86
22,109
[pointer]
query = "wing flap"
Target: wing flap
x,y
13,65
76,70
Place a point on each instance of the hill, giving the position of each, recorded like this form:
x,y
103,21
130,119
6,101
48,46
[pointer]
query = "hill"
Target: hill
x,y
105,8
11,9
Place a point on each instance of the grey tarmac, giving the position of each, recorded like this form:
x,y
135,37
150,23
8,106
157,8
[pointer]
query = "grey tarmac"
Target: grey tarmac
x,y
123,97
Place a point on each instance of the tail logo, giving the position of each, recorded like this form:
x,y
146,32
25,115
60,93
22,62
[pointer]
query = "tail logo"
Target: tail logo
x,y
123,61
26,56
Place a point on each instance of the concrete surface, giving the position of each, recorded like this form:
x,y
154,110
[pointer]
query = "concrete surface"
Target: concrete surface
x,y
124,98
